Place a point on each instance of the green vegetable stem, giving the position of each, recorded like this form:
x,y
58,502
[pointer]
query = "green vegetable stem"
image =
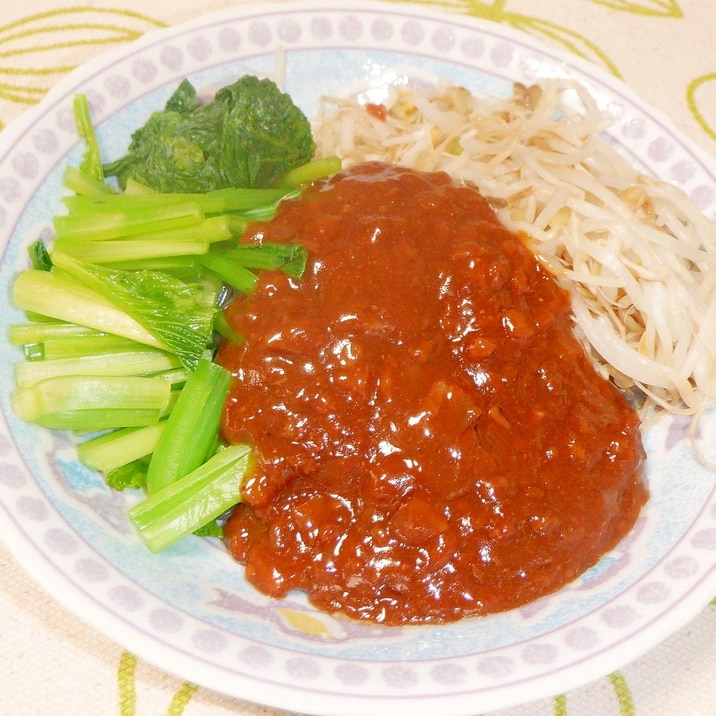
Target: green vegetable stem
x,y
195,499
84,403
192,428
110,451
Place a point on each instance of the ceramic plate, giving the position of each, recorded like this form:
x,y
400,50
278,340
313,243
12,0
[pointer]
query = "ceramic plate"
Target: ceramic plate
x,y
189,610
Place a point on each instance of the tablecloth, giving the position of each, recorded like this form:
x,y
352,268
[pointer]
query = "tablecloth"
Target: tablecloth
x,y
50,661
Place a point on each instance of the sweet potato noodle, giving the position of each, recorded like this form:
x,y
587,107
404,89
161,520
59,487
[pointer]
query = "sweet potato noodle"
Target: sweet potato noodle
x,y
433,441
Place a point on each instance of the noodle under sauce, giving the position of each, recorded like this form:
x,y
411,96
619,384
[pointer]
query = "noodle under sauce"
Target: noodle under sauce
x,y
432,441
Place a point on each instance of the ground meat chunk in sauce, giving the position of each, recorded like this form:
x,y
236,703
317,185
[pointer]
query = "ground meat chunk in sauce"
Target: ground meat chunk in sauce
x,y
433,442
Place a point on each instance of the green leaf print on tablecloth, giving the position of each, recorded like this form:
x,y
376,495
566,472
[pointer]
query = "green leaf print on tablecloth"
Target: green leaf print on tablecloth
x,y
539,27
126,674
706,82
553,32
37,50
127,689
661,8
127,684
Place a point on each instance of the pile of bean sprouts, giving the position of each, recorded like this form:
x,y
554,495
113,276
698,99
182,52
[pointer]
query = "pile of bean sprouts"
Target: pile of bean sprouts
x,y
638,258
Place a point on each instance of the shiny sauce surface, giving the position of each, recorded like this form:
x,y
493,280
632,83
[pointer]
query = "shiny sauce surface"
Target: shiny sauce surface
x,y
433,442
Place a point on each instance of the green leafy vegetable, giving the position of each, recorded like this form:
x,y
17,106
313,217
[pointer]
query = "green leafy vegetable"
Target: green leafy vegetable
x,y
109,452
233,264
192,428
82,183
225,330
289,258
235,275
95,343
313,171
57,295
93,402
178,314
195,499
91,165
218,201
210,529
133,475
39,256
123,307
39,332
250,135
101,225
132,362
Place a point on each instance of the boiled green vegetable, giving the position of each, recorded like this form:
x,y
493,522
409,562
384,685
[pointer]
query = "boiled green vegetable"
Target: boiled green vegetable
x,y
250,135
123,307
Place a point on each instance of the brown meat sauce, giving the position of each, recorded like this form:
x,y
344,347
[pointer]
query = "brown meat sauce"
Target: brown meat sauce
x,y
433,442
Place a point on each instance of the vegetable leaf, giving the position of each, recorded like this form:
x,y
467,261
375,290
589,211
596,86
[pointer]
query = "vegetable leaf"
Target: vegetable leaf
x,y
211,529
178,313
133,475
184,99
39,256
250,135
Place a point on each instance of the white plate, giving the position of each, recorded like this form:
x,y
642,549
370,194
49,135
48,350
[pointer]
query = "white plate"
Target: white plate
x,y
189,610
